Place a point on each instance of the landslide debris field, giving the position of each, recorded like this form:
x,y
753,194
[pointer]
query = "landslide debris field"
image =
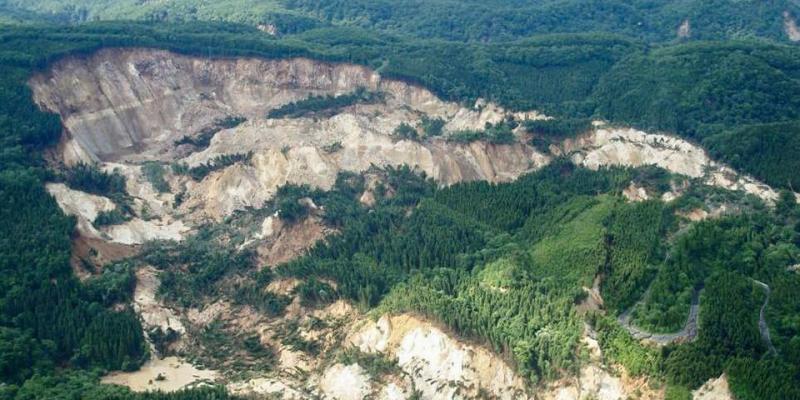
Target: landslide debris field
x,y
248,199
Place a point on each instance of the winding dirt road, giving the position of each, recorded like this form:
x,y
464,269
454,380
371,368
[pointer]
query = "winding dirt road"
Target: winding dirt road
x,y
688,333
762,321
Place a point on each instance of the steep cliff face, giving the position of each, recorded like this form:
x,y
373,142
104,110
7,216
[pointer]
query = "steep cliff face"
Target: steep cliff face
x,y
441,367
438,365
291,151
128,106
131,105
125,106
605,146
134,103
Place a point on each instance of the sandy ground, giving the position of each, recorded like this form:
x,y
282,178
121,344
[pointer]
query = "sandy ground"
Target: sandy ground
x,y
176,372
714,389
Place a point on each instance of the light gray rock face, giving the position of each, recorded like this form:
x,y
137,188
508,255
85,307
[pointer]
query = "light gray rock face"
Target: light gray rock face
x,y
125,102
123,107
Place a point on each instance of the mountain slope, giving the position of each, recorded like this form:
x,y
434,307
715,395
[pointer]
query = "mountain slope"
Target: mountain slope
x,y
497,20
353,211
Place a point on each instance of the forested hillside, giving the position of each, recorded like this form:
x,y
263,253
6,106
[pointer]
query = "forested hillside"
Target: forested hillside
x,y
496,263
469,20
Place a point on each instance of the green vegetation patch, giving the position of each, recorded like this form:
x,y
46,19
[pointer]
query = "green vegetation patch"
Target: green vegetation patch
x,y
574,250
154,173
768,151
327,105
500,133
199,172
405,131
203,139
634,235
553,131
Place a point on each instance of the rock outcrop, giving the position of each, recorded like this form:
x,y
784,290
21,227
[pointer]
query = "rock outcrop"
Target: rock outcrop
x,y
606,146
790,27
86,207
714,389
345,382
439,366
129,106
125,106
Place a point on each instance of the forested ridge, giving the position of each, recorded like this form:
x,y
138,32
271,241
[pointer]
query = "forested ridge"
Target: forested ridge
x,y
498,263
468,20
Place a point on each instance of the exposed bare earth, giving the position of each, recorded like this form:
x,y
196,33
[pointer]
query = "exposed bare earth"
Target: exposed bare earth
x,y
84,206
149,99
153,313
714,389
168,375
790,27
439,366
122,107
685,30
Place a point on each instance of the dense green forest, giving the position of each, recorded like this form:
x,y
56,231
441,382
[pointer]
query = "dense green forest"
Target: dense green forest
x,y
496,263
465,20
319,106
